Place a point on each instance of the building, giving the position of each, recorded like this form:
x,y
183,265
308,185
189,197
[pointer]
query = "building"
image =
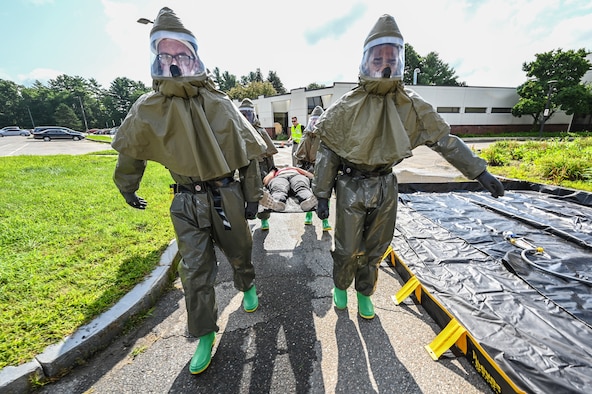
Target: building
x,y
467,109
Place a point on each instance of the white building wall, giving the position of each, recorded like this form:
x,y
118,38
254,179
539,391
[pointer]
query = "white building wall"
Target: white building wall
x,y
295,104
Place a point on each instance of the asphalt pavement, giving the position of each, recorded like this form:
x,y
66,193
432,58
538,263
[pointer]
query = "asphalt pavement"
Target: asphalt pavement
x,y
296,341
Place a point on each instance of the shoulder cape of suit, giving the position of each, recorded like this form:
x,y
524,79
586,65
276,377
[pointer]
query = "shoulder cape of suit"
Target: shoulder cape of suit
x,y
379,122
191,128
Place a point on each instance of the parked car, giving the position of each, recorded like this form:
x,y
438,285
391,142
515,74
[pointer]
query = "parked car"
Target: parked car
x,y
58,133
41,128
14,130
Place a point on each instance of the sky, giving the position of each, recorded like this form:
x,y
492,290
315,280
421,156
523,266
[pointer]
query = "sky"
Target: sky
x,y
305,41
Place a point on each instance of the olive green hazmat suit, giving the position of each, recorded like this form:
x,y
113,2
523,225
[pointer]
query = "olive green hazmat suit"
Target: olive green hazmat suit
x,y
212,152
306,153
363,135
266,162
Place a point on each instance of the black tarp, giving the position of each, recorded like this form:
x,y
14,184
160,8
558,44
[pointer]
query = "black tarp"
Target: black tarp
x,y
535,324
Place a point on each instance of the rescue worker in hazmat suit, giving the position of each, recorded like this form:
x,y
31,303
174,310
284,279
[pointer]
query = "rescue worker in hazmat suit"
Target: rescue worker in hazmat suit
x,y
211,151
266,162
306,155
363,135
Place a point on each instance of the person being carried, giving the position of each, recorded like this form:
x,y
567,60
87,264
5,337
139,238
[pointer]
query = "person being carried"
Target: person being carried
x,y
266,162
289,182
363,135
211,152
306,155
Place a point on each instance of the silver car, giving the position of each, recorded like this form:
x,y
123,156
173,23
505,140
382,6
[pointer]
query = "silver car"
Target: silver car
x,y
13,130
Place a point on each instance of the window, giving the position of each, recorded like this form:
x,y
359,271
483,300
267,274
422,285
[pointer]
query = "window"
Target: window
x,y
448,110
475,110
501,110
312,102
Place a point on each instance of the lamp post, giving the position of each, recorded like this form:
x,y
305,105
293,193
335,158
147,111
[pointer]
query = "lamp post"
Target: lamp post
x,y
415,72
31,117
144,21
551,84
83,114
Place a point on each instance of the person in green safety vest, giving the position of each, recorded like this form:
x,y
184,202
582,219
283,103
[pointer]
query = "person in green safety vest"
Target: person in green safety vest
x,y
295,136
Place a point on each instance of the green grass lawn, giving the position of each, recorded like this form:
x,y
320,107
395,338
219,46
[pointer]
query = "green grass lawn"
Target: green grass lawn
x,y
70,247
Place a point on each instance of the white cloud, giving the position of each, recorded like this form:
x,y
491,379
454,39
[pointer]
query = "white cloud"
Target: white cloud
x,y
42,75
485,41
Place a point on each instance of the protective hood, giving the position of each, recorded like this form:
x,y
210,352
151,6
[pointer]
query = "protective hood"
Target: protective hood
x,y
384,51
186,124
314,117
173,48
247,108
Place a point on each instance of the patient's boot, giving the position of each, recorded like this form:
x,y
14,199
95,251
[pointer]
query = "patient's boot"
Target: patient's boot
x,y
339,298
326,225
365,307
264,224
203,354
308,218
250,300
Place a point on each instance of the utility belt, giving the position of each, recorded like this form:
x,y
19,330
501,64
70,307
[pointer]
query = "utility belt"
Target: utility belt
x,y
202,186
356,173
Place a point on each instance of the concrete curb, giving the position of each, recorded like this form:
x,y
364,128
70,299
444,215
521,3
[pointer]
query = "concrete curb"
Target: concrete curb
x,y
98,334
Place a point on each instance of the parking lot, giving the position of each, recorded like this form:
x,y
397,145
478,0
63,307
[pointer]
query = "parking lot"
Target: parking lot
x,y
17,146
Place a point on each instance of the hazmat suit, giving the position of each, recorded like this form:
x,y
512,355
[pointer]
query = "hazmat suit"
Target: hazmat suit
x,y
306,152
306,155
212,152
363,135
266,162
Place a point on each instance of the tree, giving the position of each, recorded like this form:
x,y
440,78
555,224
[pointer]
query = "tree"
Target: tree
x,y
412,61
10,99
252,90
314,85
226,81
120,97
555,80
273,78
433,71
65,116
40,101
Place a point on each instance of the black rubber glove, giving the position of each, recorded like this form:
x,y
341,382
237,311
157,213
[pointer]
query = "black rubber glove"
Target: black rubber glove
x,y
134,201
491,184
251,210
323,208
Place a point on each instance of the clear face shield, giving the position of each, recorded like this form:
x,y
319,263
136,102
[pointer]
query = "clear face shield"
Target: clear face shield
x,y
384,58
174,54
311,123
248,113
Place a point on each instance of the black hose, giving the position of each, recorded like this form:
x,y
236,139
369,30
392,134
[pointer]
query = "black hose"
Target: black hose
x,y
564,276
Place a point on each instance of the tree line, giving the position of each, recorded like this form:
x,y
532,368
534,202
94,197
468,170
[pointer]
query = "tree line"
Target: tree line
x,y
554,81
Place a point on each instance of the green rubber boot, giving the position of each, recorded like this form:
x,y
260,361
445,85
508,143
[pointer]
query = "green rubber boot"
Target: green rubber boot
x,y
203,354
339,298
308,218
264,224
250,299
365,307
326,225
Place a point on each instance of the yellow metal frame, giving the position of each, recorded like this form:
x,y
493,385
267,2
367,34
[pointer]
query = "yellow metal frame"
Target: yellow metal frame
x,y
453,334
